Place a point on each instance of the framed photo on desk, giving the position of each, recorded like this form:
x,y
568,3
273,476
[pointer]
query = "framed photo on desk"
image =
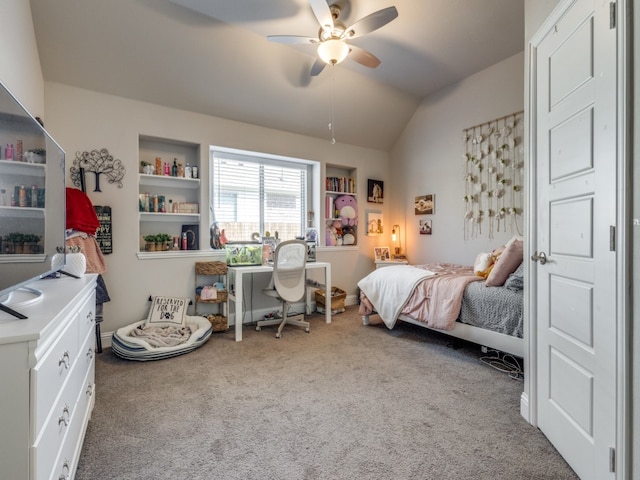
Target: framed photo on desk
x,y
381,253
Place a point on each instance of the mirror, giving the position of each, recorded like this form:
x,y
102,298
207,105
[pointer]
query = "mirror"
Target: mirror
x,y
32,198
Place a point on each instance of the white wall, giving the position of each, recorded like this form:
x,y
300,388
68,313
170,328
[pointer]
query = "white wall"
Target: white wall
x,y
428,159
20,66
82,120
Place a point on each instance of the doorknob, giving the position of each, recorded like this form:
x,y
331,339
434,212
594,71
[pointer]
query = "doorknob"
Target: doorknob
x,y
541,257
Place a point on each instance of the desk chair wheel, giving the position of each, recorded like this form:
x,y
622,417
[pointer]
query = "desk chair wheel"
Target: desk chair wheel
x,y
258,329
278,335
306,330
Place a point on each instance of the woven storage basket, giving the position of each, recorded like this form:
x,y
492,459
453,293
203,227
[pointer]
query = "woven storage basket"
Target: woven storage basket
x,y
337,298
211,268
218,322
221,296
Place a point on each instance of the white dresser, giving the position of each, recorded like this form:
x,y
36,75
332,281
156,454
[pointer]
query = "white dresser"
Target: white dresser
x,y
47,380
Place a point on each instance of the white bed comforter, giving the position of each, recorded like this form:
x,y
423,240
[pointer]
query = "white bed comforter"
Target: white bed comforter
x,y
389,288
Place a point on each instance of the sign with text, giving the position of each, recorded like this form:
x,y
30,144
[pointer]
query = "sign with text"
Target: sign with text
x,y
104,232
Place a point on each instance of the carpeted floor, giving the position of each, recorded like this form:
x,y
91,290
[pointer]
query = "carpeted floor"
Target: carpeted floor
x,y
342,402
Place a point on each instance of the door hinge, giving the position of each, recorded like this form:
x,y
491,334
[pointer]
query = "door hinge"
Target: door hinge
x,y
612,459
612,15
612,238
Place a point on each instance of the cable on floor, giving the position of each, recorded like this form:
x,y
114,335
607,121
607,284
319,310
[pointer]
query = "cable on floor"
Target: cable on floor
x,y
504,362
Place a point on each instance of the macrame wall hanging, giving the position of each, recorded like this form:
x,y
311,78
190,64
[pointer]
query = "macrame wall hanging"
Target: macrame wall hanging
x,y
494,174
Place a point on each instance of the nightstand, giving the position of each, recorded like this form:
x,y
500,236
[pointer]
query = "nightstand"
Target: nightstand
x,y
390,262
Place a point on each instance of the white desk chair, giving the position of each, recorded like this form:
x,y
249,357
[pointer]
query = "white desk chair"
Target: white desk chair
x,y
287,283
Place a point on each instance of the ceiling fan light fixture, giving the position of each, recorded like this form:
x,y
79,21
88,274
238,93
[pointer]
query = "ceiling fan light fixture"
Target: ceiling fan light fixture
x,y
333,51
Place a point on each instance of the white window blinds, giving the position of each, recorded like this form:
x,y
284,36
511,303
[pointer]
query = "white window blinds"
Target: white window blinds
x,y
251,194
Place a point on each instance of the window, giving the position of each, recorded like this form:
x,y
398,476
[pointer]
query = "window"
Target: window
x,y
254,193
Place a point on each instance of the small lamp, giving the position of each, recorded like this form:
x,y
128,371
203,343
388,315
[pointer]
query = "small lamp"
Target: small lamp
x,y
395,237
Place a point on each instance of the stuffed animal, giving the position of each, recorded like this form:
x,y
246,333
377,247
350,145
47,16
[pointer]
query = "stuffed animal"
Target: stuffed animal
x,y
334,234
348,235
347,208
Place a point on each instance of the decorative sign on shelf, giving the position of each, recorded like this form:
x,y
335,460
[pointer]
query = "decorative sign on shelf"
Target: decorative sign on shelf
x,y
493,175
104,233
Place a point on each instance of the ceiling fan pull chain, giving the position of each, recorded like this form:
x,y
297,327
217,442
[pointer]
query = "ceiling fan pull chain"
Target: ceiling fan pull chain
x,y
332,119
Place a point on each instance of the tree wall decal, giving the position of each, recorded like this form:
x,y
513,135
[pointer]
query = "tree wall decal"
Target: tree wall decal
x,y
98,162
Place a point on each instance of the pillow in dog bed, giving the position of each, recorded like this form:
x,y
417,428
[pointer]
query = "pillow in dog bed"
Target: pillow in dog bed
x,y
167,311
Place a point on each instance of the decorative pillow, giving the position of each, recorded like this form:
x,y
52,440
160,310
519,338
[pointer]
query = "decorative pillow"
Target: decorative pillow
x,y
513,239
167,311
482,265
516,279
506,264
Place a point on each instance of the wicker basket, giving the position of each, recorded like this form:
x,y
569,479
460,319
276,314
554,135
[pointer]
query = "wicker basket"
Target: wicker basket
x,y
218,322
221,296
337,299
211,268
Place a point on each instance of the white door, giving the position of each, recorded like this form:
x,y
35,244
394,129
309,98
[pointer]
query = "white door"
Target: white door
x,y
575,143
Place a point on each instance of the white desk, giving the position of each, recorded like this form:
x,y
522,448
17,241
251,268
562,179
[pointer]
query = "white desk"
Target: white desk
x,y
237,297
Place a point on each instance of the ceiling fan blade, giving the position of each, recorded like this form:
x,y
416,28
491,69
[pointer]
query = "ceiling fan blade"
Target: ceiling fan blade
x,y
363,57
292,39
371,22
317,67
323,13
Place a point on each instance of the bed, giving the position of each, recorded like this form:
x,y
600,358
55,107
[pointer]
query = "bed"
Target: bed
x,y
452,299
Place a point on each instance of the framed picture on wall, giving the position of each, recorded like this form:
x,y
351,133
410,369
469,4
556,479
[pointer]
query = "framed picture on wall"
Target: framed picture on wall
x,y
375,191
424,227
381,253
425,204
374,223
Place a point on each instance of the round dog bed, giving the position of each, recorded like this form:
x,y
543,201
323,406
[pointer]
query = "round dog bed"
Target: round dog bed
x,y
132,348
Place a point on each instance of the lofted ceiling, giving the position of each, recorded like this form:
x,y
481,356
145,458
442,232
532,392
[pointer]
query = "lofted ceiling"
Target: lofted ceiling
x,y
213,57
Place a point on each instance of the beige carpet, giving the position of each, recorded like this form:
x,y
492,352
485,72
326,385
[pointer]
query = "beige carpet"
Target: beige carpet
x,y
342,402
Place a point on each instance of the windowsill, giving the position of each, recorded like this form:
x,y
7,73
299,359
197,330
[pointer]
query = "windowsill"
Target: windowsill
x,y
337,248
210,254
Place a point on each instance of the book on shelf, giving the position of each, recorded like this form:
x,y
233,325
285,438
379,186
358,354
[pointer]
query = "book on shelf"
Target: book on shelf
x,y
328,207
340,184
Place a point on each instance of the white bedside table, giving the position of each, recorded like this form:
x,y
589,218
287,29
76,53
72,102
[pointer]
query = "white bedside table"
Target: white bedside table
x,y
390,262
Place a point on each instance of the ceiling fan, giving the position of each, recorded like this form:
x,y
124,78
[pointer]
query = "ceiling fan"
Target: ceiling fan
x,y
333,35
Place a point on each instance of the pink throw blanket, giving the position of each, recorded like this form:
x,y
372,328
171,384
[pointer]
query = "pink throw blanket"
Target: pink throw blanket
x,y
435,300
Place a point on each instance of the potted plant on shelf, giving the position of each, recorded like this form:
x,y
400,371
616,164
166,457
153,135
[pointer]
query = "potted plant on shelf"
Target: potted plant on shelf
x,y
157,243
13,243
147,168
163,242
149,243
30,243
35,155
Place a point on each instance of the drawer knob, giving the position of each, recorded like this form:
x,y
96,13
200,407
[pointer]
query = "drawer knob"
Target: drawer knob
x,y
64,360
64,418
89,389
90,353
90,317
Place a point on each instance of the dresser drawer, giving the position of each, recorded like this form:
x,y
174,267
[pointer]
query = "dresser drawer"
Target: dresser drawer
x,y
51,436
48,377
67,461
68,412
87,316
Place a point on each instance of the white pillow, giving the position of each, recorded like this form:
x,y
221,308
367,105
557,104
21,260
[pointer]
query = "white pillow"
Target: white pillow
x,y
168,311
